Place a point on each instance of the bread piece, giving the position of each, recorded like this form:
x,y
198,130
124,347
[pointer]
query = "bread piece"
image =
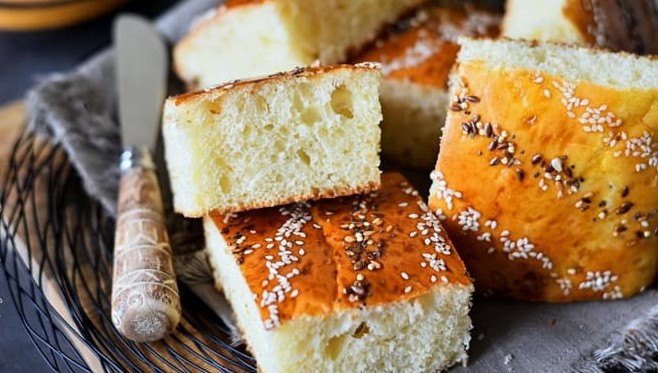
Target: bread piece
x,y
417,55
247,38
306,134
618,25
547,175
363,283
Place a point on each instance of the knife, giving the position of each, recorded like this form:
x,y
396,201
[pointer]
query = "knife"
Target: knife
x,y
145,300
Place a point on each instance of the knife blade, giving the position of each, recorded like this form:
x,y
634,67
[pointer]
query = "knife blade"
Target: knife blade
x,y
145,299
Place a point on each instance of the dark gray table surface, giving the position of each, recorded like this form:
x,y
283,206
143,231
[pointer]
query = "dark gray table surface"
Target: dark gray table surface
x,y
24,57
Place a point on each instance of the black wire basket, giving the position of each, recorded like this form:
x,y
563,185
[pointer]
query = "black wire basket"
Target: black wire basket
x,y
60,277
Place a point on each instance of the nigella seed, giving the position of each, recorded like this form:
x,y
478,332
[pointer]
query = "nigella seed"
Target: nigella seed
x,y
466,128
624,192
473,99
494,161
536,159
502,145
520,174
603,203
456,107
476,118
639,234
492,145
655,232
624,208
568,172
359,265
488,130
621,228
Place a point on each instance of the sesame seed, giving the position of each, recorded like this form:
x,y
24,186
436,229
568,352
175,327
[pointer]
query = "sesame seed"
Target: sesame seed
x,y
433,278
403,204
388,228
294,293
413,234
360,277
349,239
404,275
256,246
408,289
556,163
412,216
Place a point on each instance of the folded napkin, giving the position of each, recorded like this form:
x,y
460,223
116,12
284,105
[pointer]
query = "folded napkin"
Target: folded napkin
x,y
77,110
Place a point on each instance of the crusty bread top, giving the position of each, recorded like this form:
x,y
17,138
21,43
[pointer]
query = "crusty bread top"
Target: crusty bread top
x,y
548,181
423,48
619,70
335,254
301,72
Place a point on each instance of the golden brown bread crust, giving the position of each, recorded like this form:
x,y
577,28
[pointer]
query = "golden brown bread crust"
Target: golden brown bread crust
x,y
423,48
618,25
320,194
270,79
322,249
548,186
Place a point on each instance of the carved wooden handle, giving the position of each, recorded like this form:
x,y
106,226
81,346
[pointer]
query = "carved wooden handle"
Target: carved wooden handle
x,y
145,300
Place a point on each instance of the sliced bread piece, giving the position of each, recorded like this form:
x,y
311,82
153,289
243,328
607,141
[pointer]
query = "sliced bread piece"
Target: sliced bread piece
x,y
248,38
548,170
618,25
306,134
416,56
356,284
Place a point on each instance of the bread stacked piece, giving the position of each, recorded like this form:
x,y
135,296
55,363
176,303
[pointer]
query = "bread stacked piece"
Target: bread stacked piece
x,y
548,170
363,283
417,54
306,134
248,38
317,282
617,25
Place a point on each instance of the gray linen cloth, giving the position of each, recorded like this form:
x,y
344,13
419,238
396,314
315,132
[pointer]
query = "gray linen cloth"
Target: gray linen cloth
x,y
77,110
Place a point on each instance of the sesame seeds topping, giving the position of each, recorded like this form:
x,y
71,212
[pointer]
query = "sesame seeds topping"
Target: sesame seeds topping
x,y
404,275
408,289
469,219
441,190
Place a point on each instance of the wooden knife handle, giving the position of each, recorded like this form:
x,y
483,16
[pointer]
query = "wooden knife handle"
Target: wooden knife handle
x,y
145,300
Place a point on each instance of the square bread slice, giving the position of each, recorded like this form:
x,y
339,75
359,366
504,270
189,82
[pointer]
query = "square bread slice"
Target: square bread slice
x,y
416,57
306,134
548,171
618,25
248,38
354,284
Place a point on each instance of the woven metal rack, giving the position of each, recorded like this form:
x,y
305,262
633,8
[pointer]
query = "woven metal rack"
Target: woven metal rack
x,y
56,254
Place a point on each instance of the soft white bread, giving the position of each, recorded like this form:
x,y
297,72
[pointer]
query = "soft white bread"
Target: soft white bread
x,y
548,171
618,25
355,284
247,38
416,55
306,134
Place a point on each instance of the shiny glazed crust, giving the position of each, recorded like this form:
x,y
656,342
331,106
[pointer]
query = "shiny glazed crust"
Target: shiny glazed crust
x,y
343,253
547,185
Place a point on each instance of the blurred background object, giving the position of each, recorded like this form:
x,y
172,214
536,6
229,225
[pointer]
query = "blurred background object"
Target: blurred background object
x,y
24,15
25,57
